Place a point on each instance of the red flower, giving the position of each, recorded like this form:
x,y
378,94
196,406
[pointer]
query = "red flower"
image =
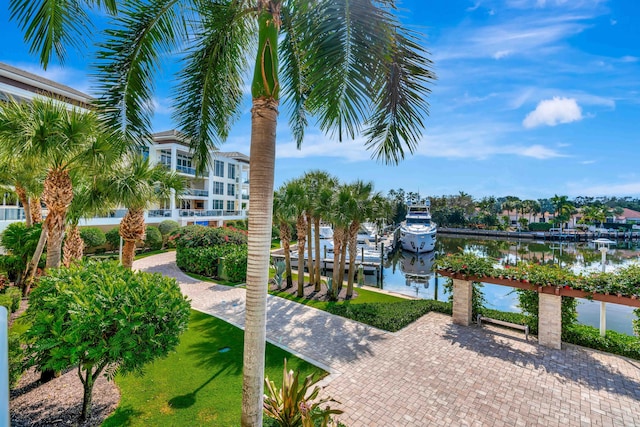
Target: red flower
x,y
464,266
507,266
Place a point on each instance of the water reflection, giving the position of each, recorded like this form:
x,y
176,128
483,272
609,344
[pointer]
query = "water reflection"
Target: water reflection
x,y
411,274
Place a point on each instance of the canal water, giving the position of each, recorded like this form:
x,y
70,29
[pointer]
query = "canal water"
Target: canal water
x,y
413,275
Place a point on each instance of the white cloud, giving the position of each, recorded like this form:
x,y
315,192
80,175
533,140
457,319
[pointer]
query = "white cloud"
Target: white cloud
x,y
629,58
552,112
501,54
587,162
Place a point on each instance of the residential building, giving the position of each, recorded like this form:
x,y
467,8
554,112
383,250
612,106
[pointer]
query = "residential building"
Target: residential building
x,y
221,194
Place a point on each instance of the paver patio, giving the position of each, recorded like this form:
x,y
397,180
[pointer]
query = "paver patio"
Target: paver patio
x,y
434,372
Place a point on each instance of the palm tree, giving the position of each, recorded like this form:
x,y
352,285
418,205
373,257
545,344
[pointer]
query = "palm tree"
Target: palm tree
x,y
346,63
25,178
562,209
283,215
136,185
297,199
359,209
320,186
66,140
338,212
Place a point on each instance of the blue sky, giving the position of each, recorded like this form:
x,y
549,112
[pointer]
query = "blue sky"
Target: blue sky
x,y
533,98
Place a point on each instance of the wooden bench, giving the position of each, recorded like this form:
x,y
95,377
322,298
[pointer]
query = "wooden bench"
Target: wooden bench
x,y
480,318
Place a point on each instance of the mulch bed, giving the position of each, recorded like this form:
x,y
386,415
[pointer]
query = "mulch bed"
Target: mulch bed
x,y
310,293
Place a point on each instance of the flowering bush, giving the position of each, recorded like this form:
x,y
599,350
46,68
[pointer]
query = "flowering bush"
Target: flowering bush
x,y
466,263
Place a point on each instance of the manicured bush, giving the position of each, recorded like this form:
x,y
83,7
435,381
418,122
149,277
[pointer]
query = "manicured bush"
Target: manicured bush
x,y
153,239
613,342
389,316
540,226
168,226
113,238
99,315
194,236
235,264
92,237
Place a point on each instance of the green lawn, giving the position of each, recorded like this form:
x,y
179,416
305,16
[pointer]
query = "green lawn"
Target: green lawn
x,y
364,296
197,384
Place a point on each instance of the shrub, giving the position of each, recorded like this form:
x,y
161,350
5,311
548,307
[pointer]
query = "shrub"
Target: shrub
x,y
168,226
113,238
389,316
613,342
529,302
16,352
153,239
540,226
235,264
99,315
92,237
16,297
194,236
7,301
13,266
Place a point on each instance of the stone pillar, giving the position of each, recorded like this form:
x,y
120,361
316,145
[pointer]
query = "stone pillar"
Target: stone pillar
x,y
550,321
462,291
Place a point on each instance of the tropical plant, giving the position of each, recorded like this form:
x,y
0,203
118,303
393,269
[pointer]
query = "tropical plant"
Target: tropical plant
x,y
167,228
113,238
20,243
67,140
283,215
102,318
296,404
562,209
135,184
279,268
298,202
348,64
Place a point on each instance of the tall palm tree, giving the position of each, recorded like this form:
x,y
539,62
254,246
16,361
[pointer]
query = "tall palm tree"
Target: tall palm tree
x,y
136,185
562,209
284,215
339,216
320,186
359,209
66,140
297,199
347,63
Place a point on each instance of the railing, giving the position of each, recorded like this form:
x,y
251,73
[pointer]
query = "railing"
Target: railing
x,y
116,213
199,212
157,213
12,214
186,169
195,192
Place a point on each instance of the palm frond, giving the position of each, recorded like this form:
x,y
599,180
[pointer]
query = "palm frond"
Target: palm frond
x,y
209,93
401,101
340,37
129,59
294,72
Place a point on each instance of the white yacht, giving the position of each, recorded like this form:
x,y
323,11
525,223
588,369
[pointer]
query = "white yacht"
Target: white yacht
x,y
417,231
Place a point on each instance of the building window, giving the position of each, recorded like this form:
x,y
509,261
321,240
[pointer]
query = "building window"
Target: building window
x,y
218,168
218,204
218,188
165,157
231,205
231,189
231,173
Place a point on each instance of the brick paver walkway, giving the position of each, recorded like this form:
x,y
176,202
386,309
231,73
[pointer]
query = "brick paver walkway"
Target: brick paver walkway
x,y
434,372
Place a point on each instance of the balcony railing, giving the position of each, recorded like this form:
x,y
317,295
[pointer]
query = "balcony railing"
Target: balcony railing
x,y
186,169
157,213
116,213
199,212
11,214
195,192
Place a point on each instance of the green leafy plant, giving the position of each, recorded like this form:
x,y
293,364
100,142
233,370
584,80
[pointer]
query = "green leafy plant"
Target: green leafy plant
x,y
168,228
153,238
466,264
16,297
113,238
278,273
296,404
92,237
103,318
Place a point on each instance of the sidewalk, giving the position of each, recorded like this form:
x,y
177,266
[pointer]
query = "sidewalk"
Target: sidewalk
x,y
434,372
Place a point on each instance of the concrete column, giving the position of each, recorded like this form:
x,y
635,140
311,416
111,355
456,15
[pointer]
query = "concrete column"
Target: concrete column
x,y
550,321
462,309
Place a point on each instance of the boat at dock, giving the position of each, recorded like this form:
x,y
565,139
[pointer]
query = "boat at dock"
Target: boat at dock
x,y
417,231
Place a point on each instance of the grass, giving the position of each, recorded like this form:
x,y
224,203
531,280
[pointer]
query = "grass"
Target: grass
x,y
364,296
197,384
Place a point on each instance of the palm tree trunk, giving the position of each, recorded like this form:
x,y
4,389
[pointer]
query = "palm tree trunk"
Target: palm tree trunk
x,y
32,267
24,199
285,238
73,245
55,220
36,210
337,252
264,116
316,225
353,254
132,231
311,264
57,194
301,228
343,259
